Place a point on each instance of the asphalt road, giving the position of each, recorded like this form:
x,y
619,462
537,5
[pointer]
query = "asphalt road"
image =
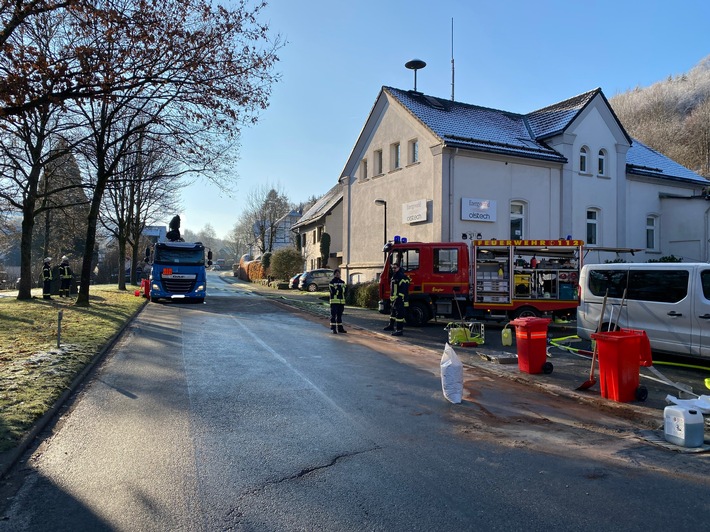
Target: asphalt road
x,y
243,414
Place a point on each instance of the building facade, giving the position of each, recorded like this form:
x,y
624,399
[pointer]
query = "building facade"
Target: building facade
x,y
429,170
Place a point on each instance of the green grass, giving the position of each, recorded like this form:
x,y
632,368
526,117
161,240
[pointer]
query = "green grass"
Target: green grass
x,y
34,372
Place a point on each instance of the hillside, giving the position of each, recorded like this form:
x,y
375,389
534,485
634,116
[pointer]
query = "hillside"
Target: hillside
x,y
672,116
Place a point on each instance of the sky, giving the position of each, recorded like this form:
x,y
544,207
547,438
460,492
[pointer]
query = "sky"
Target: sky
x,y
513,55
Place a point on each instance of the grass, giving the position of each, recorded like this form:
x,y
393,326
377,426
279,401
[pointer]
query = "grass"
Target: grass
x,y
34,372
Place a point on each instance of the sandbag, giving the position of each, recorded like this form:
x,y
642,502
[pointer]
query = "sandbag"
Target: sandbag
x,y
451,375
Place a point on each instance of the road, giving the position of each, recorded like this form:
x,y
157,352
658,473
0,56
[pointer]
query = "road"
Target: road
x,y
242,414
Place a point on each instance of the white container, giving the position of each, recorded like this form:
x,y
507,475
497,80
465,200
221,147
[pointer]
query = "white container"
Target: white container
x,y
683,427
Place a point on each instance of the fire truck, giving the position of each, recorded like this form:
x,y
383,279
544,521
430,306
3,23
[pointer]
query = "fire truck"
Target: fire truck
x,y
491,279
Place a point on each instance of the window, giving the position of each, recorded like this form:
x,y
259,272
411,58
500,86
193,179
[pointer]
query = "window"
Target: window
x,y
320,233
651,233
592,227
705,281
583,159
601,170
378,162
363,169
517,220
665,286
395,161
413,151
446,261
409,259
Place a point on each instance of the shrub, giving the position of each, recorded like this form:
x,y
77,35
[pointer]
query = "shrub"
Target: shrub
x,y
285,263
365,295
667,258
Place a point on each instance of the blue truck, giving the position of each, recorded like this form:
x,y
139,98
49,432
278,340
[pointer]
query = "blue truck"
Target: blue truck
x,y
178,272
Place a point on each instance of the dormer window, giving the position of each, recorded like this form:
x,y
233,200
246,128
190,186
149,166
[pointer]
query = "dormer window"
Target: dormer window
x,y
601,170
583,159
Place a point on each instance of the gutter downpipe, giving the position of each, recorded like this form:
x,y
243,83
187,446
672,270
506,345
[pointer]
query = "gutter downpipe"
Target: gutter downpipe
x,y
451,193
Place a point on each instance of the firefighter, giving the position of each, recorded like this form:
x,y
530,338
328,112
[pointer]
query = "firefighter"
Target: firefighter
x,y
337,303
399,300
65,276
47,278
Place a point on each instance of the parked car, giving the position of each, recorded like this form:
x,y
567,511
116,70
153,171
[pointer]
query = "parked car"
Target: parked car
x,y
293,282
315,280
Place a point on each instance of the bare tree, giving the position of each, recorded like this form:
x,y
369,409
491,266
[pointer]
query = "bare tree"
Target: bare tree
x,y
264,208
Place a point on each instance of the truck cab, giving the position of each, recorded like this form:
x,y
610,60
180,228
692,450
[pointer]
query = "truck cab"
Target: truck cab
x,y
178,272
439,276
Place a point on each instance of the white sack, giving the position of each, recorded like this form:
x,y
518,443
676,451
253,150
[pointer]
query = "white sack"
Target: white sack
x,y
451,375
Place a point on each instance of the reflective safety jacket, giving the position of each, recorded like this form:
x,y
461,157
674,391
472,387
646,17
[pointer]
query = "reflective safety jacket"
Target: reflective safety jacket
x,y
64,271
337,291
46,272
399,288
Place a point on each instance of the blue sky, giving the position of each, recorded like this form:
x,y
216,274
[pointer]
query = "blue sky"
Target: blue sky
x,y
513,55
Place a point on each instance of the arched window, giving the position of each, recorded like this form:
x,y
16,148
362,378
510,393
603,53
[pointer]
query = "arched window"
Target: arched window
x,y
593,227
601,170
583,152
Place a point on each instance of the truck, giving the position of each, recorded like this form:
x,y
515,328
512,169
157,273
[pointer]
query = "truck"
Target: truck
x,y
178,272
491,279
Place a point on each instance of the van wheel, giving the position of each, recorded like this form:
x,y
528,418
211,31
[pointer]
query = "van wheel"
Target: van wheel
x,y
526,312
417,315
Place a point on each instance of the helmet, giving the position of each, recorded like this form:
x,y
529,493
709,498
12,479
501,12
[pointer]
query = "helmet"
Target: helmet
x,y
65,258
48,259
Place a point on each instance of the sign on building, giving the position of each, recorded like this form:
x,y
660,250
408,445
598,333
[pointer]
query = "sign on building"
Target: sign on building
x,y
478,210
414,211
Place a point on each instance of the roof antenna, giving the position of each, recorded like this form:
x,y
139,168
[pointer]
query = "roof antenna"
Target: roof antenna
x,y
452,59
415,64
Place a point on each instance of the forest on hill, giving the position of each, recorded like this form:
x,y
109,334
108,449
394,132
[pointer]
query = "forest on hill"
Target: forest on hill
x,y
672,116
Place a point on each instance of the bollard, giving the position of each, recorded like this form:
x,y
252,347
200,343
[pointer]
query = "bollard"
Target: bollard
x,y
59,327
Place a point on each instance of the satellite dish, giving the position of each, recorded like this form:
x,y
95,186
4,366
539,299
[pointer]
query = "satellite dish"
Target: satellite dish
x,y
415,64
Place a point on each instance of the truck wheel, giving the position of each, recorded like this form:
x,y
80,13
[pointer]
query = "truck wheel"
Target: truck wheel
x,y
526,312
417,315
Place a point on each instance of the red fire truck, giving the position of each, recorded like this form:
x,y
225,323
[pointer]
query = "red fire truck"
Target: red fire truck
x,y
495,279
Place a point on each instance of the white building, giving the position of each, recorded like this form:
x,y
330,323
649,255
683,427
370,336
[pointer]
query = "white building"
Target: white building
x,y
325,216
432,170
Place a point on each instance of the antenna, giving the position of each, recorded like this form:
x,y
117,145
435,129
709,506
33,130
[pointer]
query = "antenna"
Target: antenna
x,y
452,59
415,64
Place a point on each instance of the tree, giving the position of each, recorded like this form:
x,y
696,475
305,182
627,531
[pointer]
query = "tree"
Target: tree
x,y
188,67
324,249
265,207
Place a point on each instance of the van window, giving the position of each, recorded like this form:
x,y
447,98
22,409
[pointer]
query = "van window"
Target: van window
x,y
665,286
602,280
705,280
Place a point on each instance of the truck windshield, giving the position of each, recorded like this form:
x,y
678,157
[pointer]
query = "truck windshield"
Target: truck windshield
x,y
191,256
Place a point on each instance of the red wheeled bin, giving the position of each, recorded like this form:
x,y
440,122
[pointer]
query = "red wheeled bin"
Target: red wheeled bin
x,y
531,341
620,355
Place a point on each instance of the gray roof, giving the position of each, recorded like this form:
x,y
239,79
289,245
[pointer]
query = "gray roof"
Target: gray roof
x,y
321,207
490,130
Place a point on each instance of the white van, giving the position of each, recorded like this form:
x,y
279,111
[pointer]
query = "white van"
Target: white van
x,y
668,300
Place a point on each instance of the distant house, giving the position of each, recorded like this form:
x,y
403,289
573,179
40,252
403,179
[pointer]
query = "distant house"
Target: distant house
x,y
282,238
325,216
431,169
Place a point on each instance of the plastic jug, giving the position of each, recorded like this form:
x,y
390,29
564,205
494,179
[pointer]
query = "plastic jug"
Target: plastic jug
x,y
506,336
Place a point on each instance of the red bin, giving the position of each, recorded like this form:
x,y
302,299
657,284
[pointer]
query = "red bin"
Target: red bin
x,y
620,354
531,341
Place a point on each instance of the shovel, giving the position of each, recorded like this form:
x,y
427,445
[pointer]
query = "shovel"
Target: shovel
x,y
592,380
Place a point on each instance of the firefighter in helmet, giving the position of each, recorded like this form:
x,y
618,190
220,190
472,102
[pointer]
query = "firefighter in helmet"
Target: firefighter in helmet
x,y
65,276
337,303
47,278
399,300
